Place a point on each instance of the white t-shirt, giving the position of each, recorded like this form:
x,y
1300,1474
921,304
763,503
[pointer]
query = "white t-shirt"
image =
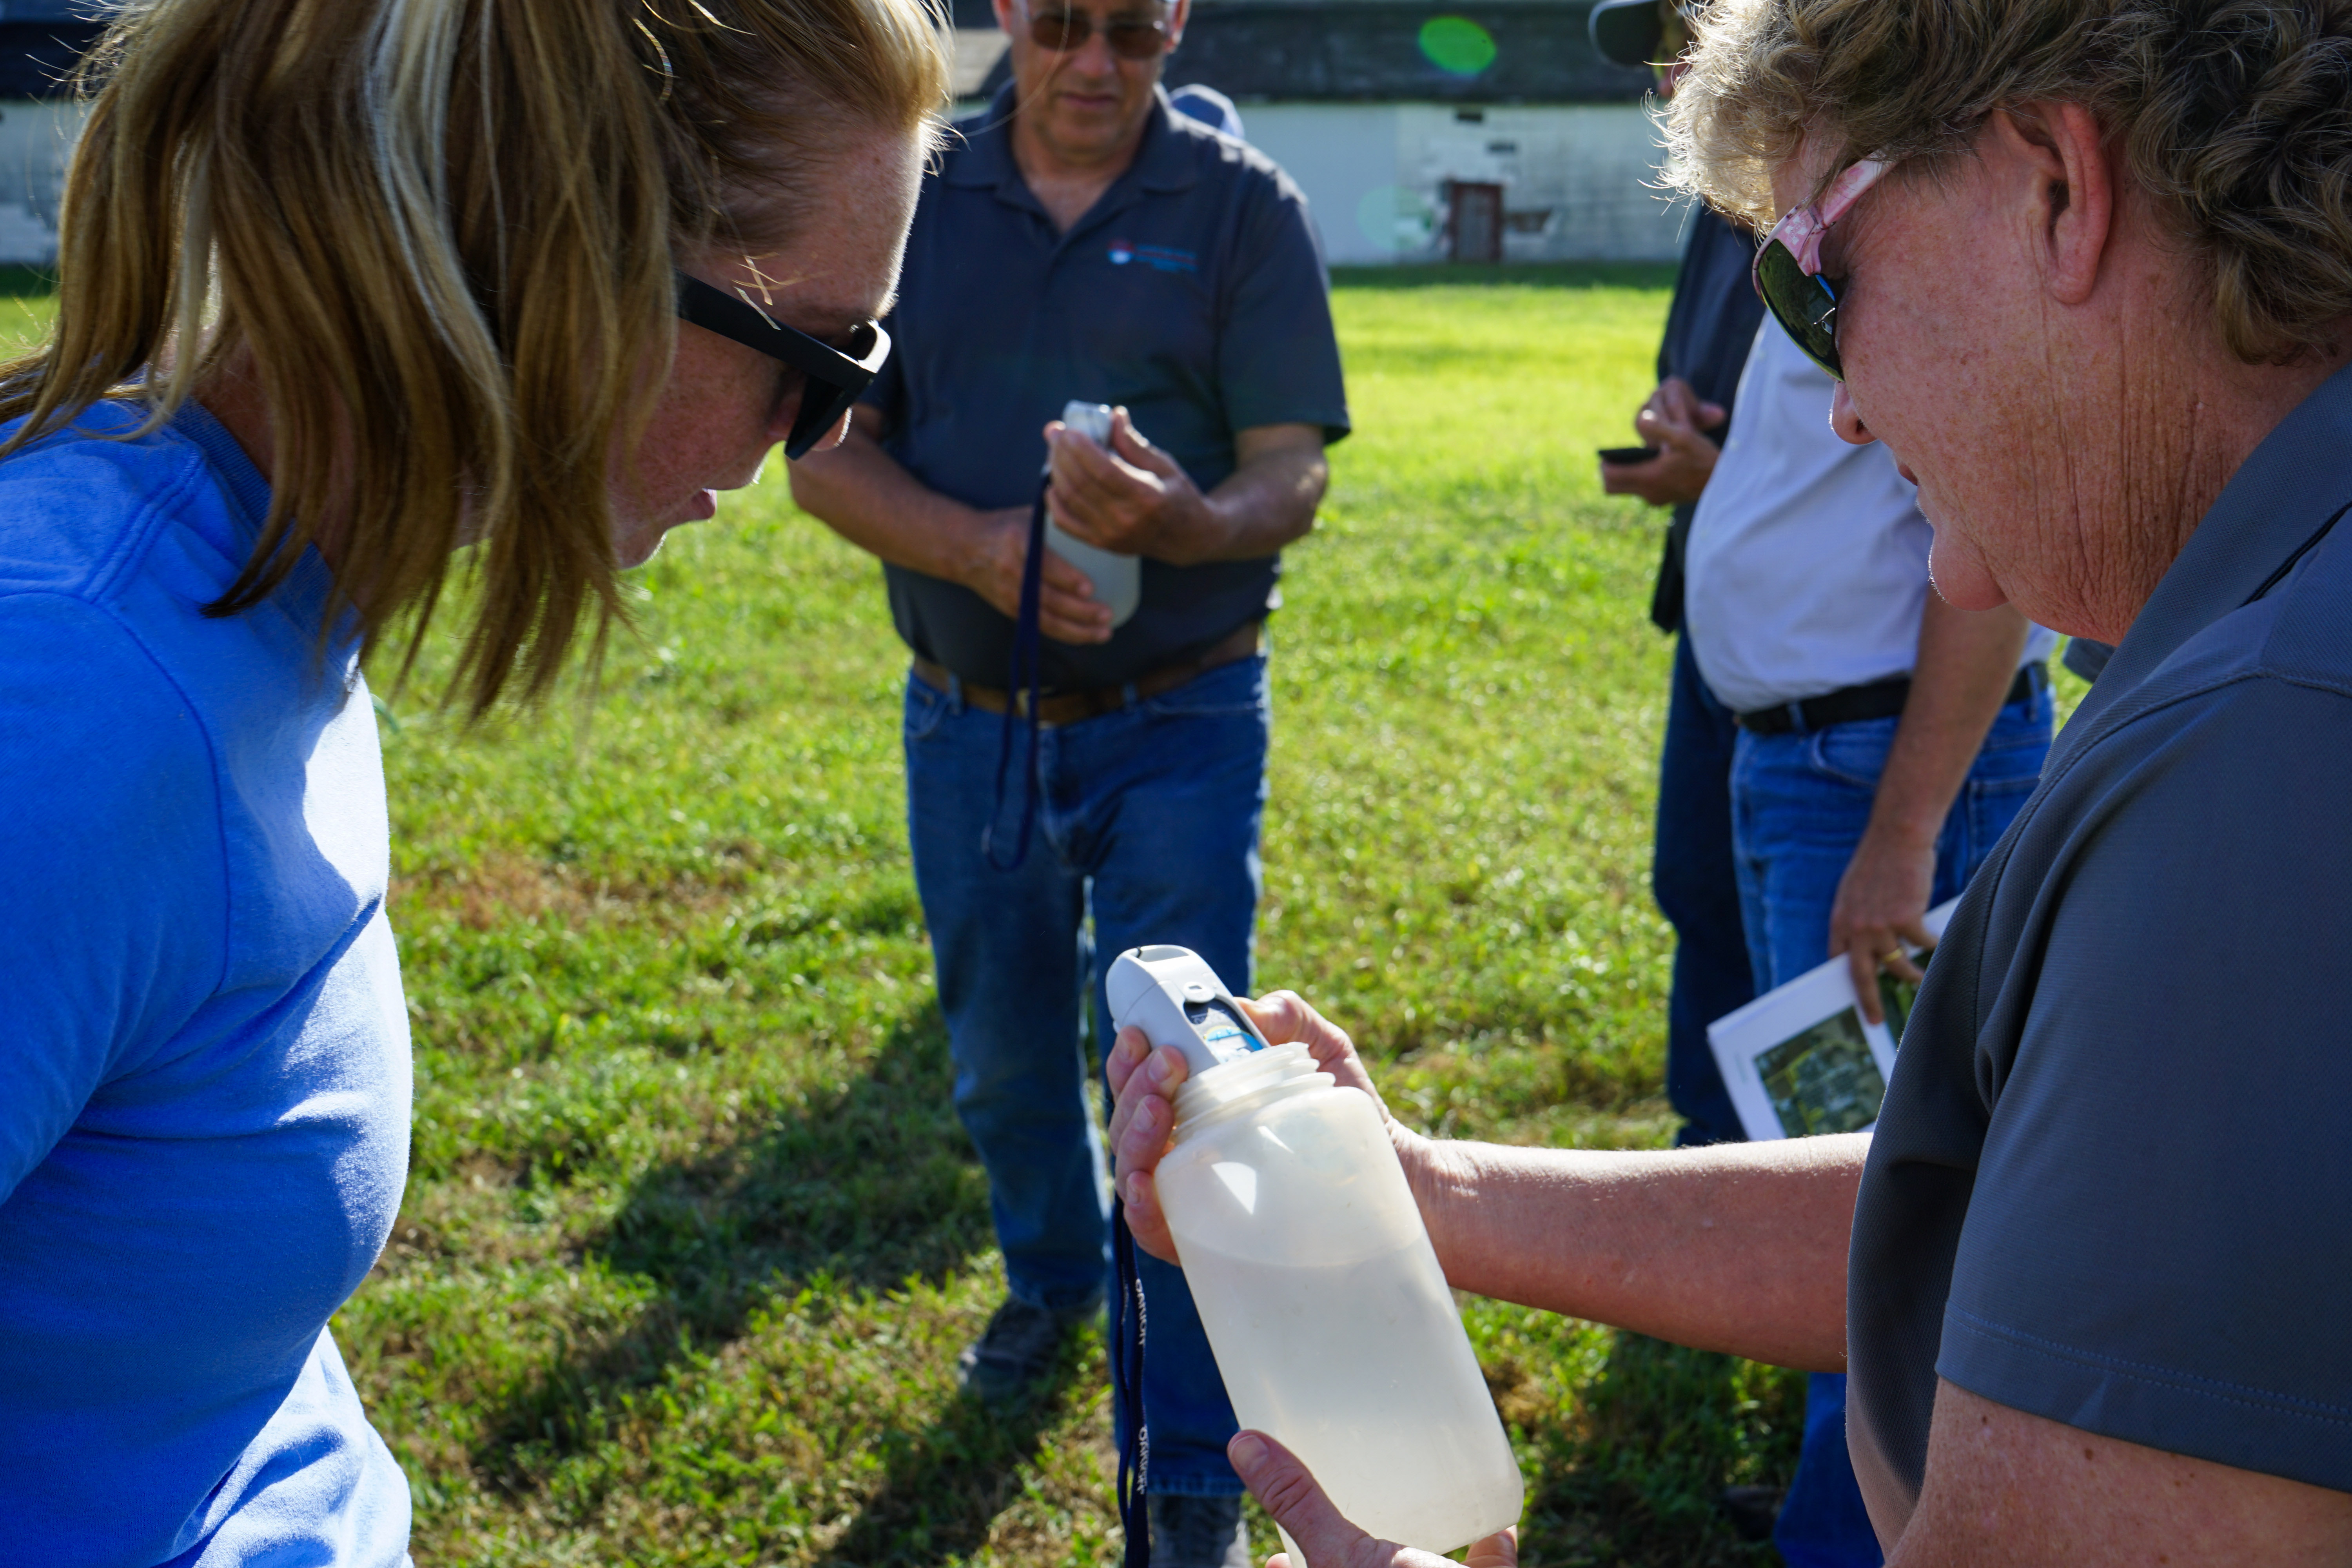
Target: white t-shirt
x,y
1807,566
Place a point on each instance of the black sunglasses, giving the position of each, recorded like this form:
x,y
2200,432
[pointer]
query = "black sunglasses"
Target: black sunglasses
x,y
1804,304
835,377
1128,37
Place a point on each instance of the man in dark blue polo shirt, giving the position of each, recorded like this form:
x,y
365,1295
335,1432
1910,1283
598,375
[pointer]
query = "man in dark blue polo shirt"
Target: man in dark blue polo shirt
x,y
1081,240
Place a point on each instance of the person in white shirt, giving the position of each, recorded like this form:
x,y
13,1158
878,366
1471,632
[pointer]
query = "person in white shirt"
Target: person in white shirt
x,y
1885,740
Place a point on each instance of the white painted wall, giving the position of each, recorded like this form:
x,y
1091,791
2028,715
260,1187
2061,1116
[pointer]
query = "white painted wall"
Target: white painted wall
x,y
36,139
972,52
1375,174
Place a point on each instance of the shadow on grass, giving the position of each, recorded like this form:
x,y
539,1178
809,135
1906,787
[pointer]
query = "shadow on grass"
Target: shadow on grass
x,y
943,1488
867,1187
1525,274
1665,1430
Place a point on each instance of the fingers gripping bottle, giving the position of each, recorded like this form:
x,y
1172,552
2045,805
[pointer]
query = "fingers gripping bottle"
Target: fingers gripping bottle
x,y
1331,1321
1118,579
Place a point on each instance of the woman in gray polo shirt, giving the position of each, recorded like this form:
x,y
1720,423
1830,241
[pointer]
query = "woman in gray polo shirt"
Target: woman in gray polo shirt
x,y
2086,268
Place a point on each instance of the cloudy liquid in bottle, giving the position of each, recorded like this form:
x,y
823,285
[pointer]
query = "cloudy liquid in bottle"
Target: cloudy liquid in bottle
x,y
1324,1302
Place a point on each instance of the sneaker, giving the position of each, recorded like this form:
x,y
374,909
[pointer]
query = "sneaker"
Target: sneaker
x,y
1016,1351
1197,1532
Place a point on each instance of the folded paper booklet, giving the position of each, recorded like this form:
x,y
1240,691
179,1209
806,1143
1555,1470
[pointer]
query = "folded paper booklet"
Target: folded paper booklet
x,y
1801,1060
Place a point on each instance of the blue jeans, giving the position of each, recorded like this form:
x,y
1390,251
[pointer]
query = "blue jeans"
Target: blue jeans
x,y
1148,823
1800,803
1698,889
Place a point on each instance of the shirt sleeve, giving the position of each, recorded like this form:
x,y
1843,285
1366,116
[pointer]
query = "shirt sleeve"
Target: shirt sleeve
x,y
1278,355
113,891
2159,1244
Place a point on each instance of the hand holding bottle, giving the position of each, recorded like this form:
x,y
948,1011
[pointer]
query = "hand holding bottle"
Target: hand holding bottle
x,y
1294,1206
1144,1082
1274,1476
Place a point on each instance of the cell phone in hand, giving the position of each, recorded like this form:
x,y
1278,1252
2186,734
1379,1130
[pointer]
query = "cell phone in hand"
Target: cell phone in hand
x,y
1624,454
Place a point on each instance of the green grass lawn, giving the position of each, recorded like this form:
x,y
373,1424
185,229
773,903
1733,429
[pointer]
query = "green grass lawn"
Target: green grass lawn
x,y
27,305
691,1237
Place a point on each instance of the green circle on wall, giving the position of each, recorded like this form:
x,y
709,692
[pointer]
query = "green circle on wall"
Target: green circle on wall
x,y
1457,46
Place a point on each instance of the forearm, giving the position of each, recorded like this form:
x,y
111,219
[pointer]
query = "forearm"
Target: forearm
x,y
1267,503
1966,660
1738,1248
861,493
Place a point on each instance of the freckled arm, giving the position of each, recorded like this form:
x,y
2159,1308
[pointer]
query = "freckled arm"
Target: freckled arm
x,y
1738,1248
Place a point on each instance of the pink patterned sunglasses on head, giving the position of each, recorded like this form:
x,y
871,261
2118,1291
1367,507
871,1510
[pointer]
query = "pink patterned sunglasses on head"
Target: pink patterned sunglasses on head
x,y
1788,271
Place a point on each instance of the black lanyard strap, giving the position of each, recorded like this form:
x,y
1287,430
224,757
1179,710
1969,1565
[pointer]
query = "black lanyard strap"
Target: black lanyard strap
x,y
1126,1394
1127,1336
1023,673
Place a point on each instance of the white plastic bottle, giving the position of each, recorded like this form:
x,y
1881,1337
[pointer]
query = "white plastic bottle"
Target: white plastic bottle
x,y
1331,1321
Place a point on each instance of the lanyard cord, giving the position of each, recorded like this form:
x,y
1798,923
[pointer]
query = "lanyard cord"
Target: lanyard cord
x,y
1126,1394
1025,671
1127,1347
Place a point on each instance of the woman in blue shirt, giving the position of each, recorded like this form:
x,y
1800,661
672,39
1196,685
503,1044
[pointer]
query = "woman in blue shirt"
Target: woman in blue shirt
x,y
348,286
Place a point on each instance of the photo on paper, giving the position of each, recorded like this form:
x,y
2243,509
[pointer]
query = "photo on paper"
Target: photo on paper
x,y
1896,997
1800,1061
1823,1078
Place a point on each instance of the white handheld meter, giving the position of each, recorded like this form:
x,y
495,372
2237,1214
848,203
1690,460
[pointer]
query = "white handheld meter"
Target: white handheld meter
x,y
1176,999
1093,418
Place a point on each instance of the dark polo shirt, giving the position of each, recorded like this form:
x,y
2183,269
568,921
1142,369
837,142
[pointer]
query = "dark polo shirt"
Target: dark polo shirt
x,y
2112,1183
1192,292
1709,327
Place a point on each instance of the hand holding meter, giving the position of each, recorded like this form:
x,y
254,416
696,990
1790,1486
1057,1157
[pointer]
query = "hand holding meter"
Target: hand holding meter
x,y
1176,999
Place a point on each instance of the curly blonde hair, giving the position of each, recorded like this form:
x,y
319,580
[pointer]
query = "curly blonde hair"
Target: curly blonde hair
x,y
445,231
2235,116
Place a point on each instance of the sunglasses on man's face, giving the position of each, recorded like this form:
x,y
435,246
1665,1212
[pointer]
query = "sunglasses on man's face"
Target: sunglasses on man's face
x,y
1129,38
1788,270
832,377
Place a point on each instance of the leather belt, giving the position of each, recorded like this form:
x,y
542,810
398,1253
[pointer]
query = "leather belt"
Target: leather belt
x,y
1879,699
1070,707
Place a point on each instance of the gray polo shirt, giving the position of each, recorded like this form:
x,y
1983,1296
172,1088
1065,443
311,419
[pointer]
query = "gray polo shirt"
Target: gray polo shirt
x,y
2111,1185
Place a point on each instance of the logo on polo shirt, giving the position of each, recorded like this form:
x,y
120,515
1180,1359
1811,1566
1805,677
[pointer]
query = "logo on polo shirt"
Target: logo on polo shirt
x,y
1159,258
